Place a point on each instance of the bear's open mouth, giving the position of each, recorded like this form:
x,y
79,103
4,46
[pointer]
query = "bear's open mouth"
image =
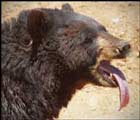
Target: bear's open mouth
x,y
113,74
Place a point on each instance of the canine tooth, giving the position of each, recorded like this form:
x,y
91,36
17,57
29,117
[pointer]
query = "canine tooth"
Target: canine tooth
x,y
117,50
110,76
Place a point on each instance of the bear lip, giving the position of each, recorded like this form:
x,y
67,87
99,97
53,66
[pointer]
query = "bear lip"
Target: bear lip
x,y
116,77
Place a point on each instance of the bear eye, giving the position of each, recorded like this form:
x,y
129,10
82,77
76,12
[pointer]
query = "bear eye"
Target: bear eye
x,y
91,36
88,40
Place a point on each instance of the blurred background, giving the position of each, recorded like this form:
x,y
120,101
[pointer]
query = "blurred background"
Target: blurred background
x,y
121,19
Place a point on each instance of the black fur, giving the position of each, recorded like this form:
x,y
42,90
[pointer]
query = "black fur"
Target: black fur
x,y
44,52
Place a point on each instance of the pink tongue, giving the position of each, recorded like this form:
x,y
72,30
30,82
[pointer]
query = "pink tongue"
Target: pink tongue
x,y
119,78
124,94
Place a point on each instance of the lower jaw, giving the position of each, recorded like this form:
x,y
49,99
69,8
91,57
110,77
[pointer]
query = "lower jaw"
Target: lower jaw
x,y
100,81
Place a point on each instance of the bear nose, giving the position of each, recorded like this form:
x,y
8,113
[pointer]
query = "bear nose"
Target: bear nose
x,y
123,49
126,47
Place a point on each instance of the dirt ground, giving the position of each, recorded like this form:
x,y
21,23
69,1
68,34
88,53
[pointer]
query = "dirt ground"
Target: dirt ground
x,y
122,19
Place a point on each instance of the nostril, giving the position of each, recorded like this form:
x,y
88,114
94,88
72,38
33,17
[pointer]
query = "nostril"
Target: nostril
x,y
126,47
123,50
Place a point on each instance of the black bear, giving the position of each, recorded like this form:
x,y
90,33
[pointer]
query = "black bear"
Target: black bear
x,y
45,52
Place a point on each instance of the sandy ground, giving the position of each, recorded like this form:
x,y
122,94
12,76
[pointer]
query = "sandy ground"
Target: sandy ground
x,y
122,19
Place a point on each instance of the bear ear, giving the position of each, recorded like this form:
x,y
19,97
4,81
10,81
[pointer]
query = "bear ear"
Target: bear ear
x,y
35,21
67,7
37,24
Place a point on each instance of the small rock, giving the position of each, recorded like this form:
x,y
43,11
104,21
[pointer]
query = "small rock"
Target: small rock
x,y
116,20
